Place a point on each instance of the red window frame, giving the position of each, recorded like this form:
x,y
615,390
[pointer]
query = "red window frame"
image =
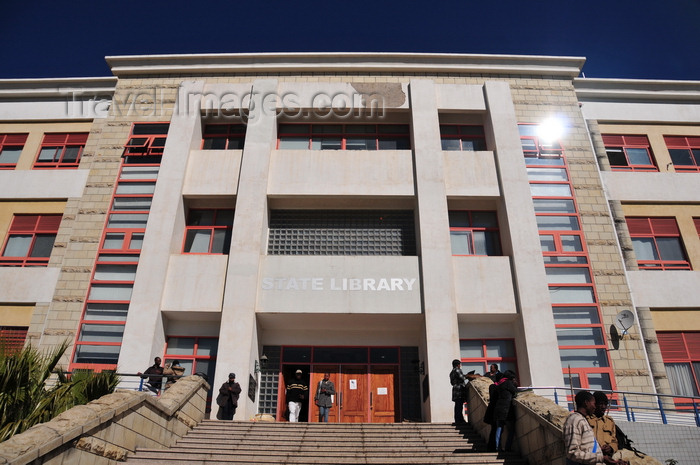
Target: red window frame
x,y
462,133
534,146
653,228
232,134
30,225
471,229
212,228
697,225
15,141
689,143
624,143
12,338
61,142
343,132
146,139
681,347
487,360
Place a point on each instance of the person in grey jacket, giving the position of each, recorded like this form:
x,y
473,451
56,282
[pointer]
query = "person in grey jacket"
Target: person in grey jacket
x,y
323,398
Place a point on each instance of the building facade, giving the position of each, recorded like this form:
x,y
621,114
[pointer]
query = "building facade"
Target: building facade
x,y
373,216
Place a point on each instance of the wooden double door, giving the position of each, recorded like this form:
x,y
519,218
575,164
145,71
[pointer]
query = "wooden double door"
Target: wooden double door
x,y
364,393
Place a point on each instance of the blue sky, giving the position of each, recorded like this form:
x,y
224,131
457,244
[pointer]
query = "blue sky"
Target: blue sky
x,y
619,38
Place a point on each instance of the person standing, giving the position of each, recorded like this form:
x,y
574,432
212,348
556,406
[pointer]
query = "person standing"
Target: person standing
x,y
227,400
324,397
581,446
457,380
296,393
503,413
604,428
173,371
156,380
494,373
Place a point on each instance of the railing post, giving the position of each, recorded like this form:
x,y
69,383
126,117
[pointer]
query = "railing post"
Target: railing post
x,y
141,385
627,408
661,410
556,397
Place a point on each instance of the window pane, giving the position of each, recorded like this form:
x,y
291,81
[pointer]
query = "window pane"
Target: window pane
x,y
108,312
547,174
571,295
360,144
43,244
47,154
71,154
481,219
681,157
616,156
477,367
670,248
214,143
135,188
139,172
681,379
118,258
222,241
224,217
115,272
197,241
599,381
113,241
583,358
110,292
394,144
531,161
101,333
459,219
579,336
568,275
554,206
575,315
487,243
132,203
644,248
565,260
180,346
500,349
294,143
18,246
450,144
136,242
550,190
207,347
554,223
10,155
639,156
96,354
327,143
547,244
461,242
471,349
157,128
235,143
201,218
294,129
128,220
571,243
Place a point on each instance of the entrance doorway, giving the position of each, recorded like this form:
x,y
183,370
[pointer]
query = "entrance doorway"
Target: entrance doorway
x,y
366,391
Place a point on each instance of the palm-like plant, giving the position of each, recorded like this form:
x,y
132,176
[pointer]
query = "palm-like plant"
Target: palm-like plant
x,y
25,400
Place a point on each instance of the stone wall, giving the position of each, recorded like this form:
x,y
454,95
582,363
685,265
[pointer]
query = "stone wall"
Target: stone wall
x,y
106,430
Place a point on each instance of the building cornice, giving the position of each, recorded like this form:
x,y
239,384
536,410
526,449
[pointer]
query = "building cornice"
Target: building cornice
x,y
637,89
56,87
433,63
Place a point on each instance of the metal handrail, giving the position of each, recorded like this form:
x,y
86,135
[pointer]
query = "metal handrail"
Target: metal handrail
x,y
635,404
129,384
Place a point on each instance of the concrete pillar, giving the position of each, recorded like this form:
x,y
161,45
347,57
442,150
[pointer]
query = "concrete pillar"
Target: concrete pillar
x,y
144,334
238,338
441,328
536,337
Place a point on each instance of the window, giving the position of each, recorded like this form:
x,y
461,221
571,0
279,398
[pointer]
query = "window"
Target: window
x,y
461,137
195,354
342,232
629,153
12,338
61,150
344,137
147,139
30,240
208,231
685,152
11,146
479,354
535,146
657,244
223,137
474,233
681,354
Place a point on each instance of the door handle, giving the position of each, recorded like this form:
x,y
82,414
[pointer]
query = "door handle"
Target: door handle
x,y
370,399
341,400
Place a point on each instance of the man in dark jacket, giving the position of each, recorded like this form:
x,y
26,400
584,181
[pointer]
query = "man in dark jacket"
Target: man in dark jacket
x,y
154,382
457,380
323,398
503,413
297,392
227,400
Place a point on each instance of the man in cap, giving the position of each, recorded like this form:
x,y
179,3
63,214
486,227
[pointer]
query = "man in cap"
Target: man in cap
x,y
227,400
296,393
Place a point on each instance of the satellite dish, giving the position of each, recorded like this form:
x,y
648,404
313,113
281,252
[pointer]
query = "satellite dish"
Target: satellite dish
x,y
624,320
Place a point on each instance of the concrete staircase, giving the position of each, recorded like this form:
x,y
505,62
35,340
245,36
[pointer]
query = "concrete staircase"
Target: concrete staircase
x,y
225,442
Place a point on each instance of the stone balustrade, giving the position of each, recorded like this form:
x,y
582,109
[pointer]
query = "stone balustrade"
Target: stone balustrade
x,y
106,430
